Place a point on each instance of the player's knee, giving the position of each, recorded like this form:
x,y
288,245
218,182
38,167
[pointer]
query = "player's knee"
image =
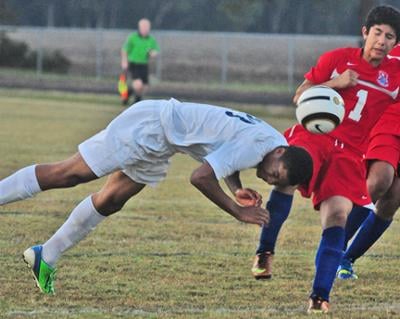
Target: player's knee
x,y
138,86
336,217
378,186
340,218
107,203
380,178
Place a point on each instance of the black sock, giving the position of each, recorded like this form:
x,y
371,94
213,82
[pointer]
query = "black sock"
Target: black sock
x,y
130,92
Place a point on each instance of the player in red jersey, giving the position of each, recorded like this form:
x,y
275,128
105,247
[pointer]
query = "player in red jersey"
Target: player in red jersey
x,y
368,82
395,53
383,183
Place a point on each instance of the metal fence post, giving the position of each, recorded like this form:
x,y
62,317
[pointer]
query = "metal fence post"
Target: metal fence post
x,y
224,59
159,60
99,52
290,65
39,54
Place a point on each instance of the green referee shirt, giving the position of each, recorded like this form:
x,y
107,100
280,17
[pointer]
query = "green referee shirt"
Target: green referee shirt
x,y
137,47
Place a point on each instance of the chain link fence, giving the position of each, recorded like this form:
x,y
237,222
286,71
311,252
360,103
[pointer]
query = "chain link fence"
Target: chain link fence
x,y
199,57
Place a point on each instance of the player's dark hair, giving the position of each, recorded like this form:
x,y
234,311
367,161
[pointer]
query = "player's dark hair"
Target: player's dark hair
x,y
299,165
384,15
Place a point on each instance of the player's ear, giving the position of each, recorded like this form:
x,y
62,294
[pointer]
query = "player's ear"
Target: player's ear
x,y
280,151
364,32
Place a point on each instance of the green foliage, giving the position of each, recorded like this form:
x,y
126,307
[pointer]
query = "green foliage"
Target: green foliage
x,y
242,13
7,15
17,54
12,53
269,16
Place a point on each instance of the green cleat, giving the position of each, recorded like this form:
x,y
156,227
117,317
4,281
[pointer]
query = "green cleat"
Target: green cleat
x,y
345,270
43,273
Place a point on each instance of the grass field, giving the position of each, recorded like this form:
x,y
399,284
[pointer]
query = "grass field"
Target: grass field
x,y
169,253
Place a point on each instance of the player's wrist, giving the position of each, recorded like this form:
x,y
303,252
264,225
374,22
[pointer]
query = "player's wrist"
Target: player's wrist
x,y
237,212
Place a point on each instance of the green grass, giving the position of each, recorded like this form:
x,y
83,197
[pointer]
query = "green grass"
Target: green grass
x,y
244,86
169,253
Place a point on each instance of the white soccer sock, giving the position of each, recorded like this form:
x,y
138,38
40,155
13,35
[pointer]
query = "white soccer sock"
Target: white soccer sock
x,y
83,219
20,185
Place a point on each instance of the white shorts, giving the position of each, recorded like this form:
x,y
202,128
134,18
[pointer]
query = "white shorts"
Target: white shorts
x,y
133,142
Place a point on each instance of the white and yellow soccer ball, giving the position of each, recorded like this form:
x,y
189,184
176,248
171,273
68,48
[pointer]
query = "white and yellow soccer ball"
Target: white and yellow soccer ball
x,y
320,109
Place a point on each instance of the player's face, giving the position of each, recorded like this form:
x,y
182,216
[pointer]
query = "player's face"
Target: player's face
x,y
272,170
144,27
378,42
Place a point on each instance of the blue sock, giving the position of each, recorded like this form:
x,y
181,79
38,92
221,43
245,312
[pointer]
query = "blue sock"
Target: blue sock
x,y
328,258
370,231
278,205
356,217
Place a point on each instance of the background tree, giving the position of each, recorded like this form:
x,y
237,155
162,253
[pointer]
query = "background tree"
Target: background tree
x,y
267,16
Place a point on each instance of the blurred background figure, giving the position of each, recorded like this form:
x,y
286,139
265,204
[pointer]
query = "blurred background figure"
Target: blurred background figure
x,y
136,52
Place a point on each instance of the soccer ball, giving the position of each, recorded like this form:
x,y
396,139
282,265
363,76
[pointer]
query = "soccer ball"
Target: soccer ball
x,y
320,109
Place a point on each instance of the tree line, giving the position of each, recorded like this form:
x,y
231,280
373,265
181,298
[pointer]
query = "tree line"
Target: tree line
x,y
341,17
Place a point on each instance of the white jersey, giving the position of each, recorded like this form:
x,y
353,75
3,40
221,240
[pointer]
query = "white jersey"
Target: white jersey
x,y
228,140
141,140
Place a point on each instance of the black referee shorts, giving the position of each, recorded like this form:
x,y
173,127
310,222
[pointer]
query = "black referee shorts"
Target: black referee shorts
x,y
139,71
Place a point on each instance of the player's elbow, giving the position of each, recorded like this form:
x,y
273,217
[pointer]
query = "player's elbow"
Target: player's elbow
x,y
199,179
202,176
196,179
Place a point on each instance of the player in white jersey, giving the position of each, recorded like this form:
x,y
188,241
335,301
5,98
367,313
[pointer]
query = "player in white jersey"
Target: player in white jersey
x,y
135,149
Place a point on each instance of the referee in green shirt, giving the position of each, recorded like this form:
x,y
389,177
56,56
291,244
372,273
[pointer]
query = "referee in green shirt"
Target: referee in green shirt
x,y
138,48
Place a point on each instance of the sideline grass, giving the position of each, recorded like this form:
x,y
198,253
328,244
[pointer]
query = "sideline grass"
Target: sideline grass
x,y
110,80
169,253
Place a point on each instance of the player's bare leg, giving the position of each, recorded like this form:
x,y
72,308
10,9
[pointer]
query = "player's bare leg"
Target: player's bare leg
x,y
83,219
334,210
33,179
67,173
139,88
380,178
118,189
387,206
333,213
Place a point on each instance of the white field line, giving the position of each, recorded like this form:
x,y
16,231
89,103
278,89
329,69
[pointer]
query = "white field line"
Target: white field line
x,y
381,307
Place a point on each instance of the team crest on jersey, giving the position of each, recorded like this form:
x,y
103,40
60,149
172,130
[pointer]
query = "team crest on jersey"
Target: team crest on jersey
x,y
383,78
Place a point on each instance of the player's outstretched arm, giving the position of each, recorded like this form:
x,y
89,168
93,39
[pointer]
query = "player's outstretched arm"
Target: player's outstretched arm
x,y
204,179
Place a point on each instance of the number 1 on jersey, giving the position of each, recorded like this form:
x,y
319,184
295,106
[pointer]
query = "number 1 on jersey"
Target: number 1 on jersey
x,y
355,114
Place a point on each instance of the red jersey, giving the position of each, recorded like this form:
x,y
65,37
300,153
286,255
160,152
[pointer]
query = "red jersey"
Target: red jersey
x,y
395,52
377,88
389,123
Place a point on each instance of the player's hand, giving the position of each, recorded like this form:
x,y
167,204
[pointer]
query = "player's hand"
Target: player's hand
x,y
152,53
253,215
124,66
248,197
347,79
